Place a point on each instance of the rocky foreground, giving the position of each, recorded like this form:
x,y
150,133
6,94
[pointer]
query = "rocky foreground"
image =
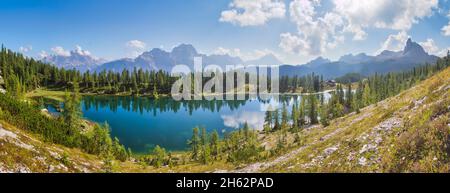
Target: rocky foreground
x,y
22,153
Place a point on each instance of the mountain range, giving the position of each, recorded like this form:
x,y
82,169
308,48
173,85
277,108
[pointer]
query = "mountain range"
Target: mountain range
x,y
157,59
77,59
387,61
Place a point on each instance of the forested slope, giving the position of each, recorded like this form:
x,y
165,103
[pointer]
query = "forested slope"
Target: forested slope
x,y
409,132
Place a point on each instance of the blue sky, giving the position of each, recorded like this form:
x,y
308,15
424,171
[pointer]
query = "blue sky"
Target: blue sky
x,y
296,31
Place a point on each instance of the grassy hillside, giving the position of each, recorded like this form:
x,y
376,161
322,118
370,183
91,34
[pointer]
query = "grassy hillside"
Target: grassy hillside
x,y
23,152
406,133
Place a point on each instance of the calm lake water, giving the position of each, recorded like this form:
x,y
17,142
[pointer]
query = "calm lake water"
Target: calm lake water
x,y
141,123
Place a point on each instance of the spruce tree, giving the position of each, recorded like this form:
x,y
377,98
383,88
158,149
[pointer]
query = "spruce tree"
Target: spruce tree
x,y
215,146
312,109
367,95
294,118
302,112
195,144
324,115
159,155
276,119
268,120
349,98
284,117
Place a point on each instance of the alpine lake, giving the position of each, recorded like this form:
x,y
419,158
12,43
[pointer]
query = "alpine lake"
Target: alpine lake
x,y
141,123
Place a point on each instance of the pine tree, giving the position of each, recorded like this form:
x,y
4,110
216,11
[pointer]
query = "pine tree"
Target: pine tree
x,y
367,95
359,96
195,144
340,94
246,130
206,154
159,156
67,112
276,119
313,109
206,151
301,112
284,117
349,98
268,120
215,146
135,85
118,150
204,137
72,107
324,115
155,92
294,117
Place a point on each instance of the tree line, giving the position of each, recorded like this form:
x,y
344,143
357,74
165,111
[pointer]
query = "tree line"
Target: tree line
x,y
309,83
239,146
22,74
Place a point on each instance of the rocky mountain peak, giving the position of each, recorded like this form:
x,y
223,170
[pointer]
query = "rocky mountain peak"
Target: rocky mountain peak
x,y
185,49
79,59
318,61
413,48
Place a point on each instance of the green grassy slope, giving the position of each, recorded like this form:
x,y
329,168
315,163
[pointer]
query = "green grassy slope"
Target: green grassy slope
x,y
406,133
22,152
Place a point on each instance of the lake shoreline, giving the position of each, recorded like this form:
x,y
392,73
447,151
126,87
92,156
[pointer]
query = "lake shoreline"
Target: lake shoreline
x,y
142,122
58,94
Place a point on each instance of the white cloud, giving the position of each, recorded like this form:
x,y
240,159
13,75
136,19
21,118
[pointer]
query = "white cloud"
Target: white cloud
x,y
395,42
25,49
245,56
58,50
446,29
443,52
82,52
136,44
291,43
254,119
357,31
397,15
429,46
253,12
316,34
43,54
136,47
236,52
320,31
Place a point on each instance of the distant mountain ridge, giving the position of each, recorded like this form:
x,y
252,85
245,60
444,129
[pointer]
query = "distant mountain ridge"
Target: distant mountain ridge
x,y
157,59
268,59
387,61
76,59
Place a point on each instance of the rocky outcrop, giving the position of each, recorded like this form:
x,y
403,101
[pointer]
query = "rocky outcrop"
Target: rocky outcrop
x,y
20,152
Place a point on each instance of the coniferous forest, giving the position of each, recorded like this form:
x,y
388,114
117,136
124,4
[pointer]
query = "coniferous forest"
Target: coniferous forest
x,y
22,74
